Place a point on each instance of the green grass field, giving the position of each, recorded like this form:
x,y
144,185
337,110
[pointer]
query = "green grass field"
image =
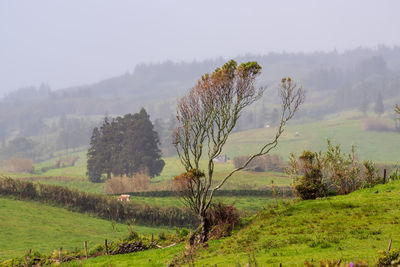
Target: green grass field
x,y
246,204
159,257
351,228
345,129
44,228
348,227
74,178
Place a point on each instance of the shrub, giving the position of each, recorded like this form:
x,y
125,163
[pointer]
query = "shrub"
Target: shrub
x,y
141,181
66,162
395,175
262,163
376,125
119,185
342,171
318,174
18,165
310,184
222,219
370,174
388,258
182,232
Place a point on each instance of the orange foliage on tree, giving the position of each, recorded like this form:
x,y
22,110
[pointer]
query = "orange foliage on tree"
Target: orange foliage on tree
x,y
206,117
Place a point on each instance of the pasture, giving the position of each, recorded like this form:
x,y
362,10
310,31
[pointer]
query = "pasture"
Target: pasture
x,y
352,228
344,128
44,228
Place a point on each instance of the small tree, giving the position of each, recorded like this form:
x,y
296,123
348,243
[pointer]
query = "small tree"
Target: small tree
x,y
310,185
206,117
397,109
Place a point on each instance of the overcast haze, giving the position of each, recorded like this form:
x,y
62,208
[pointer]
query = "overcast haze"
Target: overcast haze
x,y
66,43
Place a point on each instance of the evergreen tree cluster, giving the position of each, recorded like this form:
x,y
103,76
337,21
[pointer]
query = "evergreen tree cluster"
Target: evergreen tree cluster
x,y
124,146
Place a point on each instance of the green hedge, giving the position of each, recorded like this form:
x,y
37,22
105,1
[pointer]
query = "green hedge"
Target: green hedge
x,y
99,205
286,190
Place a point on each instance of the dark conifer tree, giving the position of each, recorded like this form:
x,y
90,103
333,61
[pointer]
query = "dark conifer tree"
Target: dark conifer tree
x,y
94,164
140,147
124,146
106,147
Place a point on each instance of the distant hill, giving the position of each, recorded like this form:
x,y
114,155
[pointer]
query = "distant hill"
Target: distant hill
x,y
333,81
152,84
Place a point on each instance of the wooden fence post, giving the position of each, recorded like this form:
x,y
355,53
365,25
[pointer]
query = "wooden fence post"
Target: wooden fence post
x,y
85,245
106,247
384,176
390,245
60,255
152,238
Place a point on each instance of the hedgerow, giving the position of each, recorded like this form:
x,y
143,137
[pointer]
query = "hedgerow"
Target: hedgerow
x,y
99,205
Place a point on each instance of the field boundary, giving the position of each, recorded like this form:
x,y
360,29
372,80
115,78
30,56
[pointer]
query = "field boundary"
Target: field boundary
x,y
102,206
280,191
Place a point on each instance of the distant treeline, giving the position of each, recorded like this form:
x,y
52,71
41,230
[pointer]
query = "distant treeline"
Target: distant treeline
x,y
280,191
51,120
101,206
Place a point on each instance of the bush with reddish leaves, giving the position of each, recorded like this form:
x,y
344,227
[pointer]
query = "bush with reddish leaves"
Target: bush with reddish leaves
x,y
222,219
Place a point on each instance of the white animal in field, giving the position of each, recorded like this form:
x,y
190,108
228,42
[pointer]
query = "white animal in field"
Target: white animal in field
x,y
126,198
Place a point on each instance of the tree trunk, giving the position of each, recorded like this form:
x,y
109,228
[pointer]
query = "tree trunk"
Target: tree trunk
x,y
205,229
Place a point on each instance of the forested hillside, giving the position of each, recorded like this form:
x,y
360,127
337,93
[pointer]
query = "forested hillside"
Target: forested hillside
x,y
63,119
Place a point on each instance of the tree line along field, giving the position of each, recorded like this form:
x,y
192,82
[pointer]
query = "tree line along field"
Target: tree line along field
x,y
345,129
352,228
32,225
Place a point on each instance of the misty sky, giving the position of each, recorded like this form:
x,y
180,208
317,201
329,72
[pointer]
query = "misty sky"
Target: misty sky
x,y
73,42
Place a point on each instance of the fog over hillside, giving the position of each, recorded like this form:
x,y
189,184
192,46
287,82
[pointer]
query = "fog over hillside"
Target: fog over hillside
x,y
71,43
66,65
159,85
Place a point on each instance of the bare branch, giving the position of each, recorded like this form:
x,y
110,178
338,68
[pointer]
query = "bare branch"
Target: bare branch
x,y
292,97
208,114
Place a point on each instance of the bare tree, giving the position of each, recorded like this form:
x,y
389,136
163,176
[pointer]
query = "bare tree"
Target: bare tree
x,y
206,117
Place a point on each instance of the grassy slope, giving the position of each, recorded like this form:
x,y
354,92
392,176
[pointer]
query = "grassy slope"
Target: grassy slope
x,y
247,204
345,129
351,227
155,257
43,228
